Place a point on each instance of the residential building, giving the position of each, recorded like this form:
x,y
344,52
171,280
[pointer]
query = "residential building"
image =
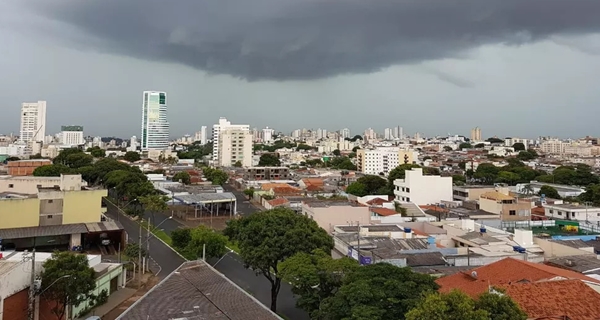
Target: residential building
x,y
553,146
388,134
344,133
421,189
383,160
534,187
267,135
155,127
398,132
26,167
266,173
476,134
202,293
542,291
216,133
328,214
573,212
235,145
470,192
33,121
509,142
508,207
71,135
15,280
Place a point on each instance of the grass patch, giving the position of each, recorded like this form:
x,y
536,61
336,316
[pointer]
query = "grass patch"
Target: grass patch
x,y
158,233
233,246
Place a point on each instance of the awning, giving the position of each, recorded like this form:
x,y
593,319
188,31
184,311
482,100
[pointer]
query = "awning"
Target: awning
x,y
104,226
44,231
206,198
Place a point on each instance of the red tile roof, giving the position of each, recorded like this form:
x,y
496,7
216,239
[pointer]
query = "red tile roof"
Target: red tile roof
x,y
383,211
377,202
287,190
278,202
556,299
504,272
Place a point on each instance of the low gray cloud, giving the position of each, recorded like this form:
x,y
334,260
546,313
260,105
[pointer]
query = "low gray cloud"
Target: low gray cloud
x,y
310,39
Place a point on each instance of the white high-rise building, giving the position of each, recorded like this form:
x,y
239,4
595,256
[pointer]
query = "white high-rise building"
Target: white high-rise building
x,y
296,133
133,144
33,121
155,127
388,134
267,135
203,135
235,144
221,126
71,135
345,133
398,133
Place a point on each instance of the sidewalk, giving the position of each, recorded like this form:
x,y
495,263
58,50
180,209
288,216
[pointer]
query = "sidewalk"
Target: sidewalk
x,y
114,300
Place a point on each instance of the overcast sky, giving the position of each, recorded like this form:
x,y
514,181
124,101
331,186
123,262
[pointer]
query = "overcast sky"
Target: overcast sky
x,y
512,67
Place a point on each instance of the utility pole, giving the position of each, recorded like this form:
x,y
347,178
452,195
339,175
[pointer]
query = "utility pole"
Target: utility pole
x,y
358,225
148,245
140,257
31,305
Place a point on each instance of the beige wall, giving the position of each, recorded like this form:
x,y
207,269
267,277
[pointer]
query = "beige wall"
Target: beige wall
x,y
83,206
19,213
523,211
553,249
328,217
475,193
27,185
491,206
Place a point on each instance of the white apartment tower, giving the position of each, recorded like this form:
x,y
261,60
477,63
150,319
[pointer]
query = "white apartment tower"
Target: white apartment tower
x,y
71,135
476,134
33,121
345,133
267,134
155,127
222,126
235,144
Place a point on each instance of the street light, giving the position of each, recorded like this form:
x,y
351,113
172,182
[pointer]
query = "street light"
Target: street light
x,y
55,281
122,211
147,245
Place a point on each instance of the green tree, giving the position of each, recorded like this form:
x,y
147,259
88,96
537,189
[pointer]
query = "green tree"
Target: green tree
x,y
36,156
199,237
131,156
479,146
486,172
465,145
526,155
12,159
459,179
303,146
196,151
269,160
377,292
355,149
519,146
341,163
180,238
336,152
154,202
450,306
51,170
183,177
216,176
549,192
507,177
500,306
315,277
238,164
373,184
97,152
270,237
132,251
356,188
494,140
249,192
62,156
67,280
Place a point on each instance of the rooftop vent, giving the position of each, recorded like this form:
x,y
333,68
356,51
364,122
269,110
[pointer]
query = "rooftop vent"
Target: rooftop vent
x,y
474,274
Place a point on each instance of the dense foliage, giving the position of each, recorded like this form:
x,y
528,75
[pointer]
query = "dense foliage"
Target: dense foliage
x,y
269,160
183,177
368,185
190,242
214,175
196,151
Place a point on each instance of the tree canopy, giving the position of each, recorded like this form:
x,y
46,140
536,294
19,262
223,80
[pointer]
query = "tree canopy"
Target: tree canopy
x,y
196,151
183,177
214,175
549,192
377,292
97,152
190,242
456,305
340,163
131,156
465,145
268,238
277,144
269,160
519,146
67,279
368,185
51,170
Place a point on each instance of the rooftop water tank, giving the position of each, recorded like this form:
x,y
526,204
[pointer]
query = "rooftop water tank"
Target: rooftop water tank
x,y
407,230
482,229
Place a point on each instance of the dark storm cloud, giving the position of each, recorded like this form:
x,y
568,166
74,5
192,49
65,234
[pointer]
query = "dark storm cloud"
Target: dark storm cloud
x,y
308,39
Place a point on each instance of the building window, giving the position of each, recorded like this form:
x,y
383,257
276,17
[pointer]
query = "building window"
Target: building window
x,y
11,185
50,201
512,212
49,216
551,211
559,213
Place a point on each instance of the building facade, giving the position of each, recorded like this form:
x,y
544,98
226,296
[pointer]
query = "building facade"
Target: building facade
x,y
222,126
25,167
421,189
235,145
476,134
266,173
33,121
383,160
155,127
71,135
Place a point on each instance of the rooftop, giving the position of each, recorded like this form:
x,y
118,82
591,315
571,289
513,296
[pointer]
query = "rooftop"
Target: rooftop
x,y
571,206
329,203
383,211
197,291
580,263
495,195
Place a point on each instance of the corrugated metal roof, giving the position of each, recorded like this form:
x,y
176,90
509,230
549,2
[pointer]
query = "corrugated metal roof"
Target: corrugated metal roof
x,y
206,197
104,226
44,231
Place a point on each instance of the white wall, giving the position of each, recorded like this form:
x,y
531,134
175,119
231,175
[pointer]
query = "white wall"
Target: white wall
x,y
423,190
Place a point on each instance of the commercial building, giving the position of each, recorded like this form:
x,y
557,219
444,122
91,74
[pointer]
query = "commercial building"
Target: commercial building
x,y
573,212
421,189
238,135
534,187
71,135
33,121
383,160
266,173
155,127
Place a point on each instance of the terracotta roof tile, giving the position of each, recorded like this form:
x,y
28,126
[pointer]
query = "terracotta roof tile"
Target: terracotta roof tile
x,y
504,272
383,211
377,201
313,181
553,299
434,208
278,202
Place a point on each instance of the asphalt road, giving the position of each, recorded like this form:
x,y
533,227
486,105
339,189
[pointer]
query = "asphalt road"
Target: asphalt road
x,y
164,256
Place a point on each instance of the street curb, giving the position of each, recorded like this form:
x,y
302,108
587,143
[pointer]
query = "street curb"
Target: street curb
x,y
161,240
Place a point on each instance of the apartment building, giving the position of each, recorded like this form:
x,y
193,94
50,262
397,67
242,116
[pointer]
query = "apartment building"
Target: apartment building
x,y
476,134
553,146
59,208
235,145
33,121
383,160
573,212
72,135
421,189
223,125
509,142
470,193
266,173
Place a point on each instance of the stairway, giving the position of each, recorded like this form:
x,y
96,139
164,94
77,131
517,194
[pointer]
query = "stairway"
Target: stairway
x,y
412,210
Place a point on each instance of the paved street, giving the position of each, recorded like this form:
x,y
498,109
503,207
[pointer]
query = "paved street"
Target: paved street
x,y
244,206
168,260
